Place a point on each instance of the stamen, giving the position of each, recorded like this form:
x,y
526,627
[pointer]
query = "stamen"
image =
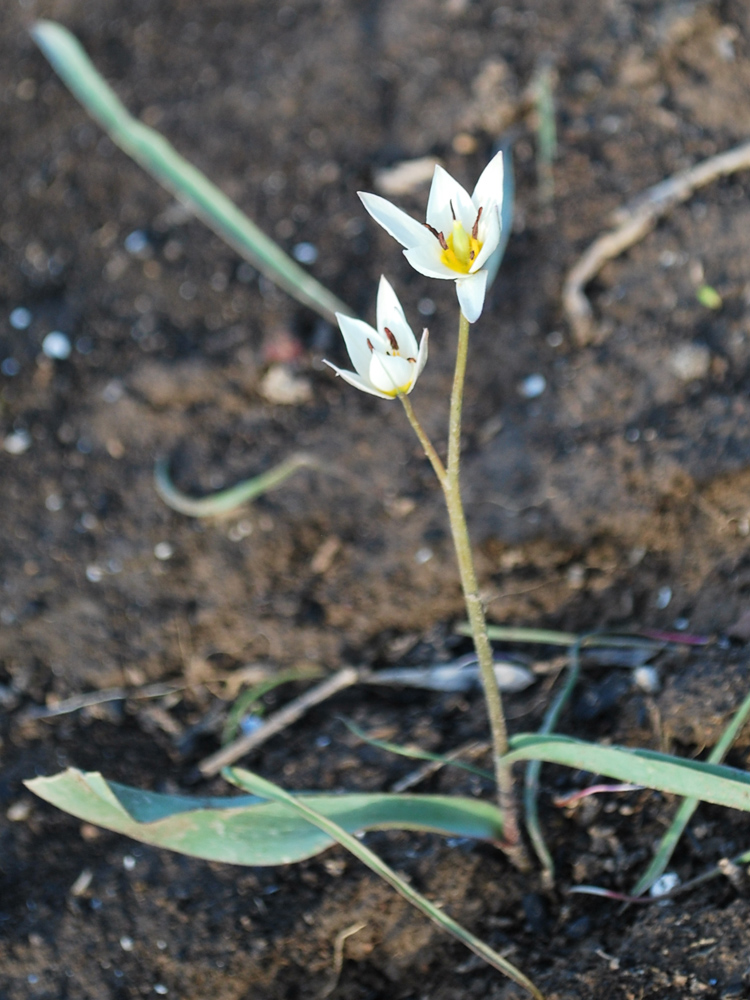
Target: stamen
x,y
453,211
475,227
391,338
369,344
438,236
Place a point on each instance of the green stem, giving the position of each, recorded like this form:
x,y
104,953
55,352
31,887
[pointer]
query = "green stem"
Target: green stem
x,y
449,480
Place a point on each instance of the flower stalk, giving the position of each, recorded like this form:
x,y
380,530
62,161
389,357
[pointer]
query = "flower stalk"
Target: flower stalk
x,y
449,478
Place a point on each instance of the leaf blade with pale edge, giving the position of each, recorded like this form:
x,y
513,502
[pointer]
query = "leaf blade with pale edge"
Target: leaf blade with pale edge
x,y
246,830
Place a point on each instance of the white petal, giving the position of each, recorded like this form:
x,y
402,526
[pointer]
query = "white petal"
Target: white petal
x,y
357,381
391,314
391,375
427,261
470,291
489,189
490,236
401,226
356,334
446,191
421,357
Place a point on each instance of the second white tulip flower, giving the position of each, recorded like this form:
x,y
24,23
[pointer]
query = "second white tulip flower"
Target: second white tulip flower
x,y
386,358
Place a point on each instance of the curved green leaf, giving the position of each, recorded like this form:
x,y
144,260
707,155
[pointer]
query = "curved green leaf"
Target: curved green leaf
x,y
152,152
246,830
716,783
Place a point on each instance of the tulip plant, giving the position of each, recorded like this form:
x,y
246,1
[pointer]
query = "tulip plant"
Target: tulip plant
x,y
473,224
462,239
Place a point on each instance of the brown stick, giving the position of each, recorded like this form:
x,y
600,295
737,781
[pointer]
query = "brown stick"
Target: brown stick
x,y
278,721
635,220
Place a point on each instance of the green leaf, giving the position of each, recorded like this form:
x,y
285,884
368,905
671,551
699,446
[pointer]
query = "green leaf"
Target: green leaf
x,y
303,807
152,152
246,830
716,783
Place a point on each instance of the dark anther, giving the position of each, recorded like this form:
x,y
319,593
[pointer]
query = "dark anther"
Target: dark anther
x,y
391,338
475,227
453,211
438,236
413,360
472,255
369,344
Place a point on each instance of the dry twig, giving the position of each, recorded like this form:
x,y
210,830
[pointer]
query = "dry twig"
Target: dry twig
x,y
278,721
634,221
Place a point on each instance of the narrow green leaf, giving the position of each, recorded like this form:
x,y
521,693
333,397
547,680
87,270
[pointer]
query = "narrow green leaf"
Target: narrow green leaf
x,y
227,501
415,753
308,810
716,783
152,152
684,814
246,830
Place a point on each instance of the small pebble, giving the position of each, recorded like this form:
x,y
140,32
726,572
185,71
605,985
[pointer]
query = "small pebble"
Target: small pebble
x,y
663,597
128,862
20,318
532,386
280,386
423,555
161,989
632,434
56,345
305,253
113,391
17,443
690,362
647,679
10,367
94,573
163,551
555,338
665,884
126,943
136,242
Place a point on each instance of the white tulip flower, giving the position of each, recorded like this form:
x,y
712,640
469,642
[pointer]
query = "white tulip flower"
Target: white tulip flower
x,y
387,360
460,233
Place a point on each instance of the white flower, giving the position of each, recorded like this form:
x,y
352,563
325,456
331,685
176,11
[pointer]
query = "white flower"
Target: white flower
x,y
459,236
387,360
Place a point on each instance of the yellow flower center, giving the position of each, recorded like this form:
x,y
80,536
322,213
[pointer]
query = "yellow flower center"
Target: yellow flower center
x,y
462,249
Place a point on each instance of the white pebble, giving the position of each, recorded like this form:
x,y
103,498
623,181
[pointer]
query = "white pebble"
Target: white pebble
x,y
161,989
647,679
54,502
126,943
17,443
20,318
663,597
163,551
665,884
532,386
136,242
56,345
690,362
128,862
422,556
305,253
94,573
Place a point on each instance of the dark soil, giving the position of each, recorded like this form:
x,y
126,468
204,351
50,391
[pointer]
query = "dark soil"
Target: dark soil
x,y
619,498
